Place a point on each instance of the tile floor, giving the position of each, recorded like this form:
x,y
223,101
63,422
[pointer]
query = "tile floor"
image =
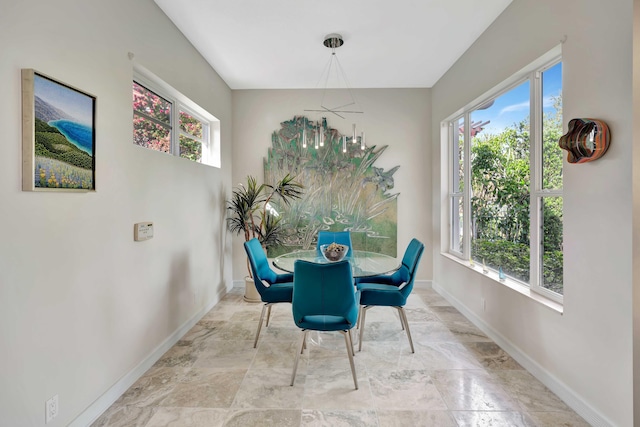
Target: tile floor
x,y
457,377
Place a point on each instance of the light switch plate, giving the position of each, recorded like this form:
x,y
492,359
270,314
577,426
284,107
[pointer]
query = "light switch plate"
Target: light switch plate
x,y
142,231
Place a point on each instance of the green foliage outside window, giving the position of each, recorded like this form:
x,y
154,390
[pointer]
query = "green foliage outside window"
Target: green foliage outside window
x,y
147,106
500,202
190,149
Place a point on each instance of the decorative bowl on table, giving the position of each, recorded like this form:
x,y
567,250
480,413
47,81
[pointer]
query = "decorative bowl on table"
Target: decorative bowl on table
x,y
334,251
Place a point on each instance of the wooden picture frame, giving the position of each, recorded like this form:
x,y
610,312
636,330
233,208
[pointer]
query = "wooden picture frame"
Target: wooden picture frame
x,y
58,135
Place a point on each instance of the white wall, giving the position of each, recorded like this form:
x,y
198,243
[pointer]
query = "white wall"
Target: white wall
x,y
398,118
586,353
81,303
636,211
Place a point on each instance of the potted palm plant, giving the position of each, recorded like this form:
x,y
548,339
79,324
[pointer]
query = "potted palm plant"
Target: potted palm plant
x,y
253,213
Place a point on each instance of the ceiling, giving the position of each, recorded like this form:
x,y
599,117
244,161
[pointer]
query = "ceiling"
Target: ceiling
x,y
278,44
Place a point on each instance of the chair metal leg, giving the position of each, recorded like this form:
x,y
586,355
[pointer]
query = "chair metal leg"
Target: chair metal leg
x,y
303,338
268,316
403,319
264,307
363,312
349,344
351,339
359,316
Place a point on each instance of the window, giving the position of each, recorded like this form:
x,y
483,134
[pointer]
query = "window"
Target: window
x,y
151,119
505,179
193,136
164,120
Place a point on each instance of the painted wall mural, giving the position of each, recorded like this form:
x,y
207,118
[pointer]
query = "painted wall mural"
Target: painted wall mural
x,y
343,189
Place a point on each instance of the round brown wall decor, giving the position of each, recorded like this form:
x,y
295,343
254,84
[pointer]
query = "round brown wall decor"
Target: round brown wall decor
x,y
586,141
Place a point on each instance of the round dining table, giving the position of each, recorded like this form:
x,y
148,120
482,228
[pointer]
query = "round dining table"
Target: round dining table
x,y
363,263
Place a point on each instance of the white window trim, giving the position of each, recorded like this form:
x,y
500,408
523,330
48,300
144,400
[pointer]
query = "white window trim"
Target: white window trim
x,y
536,192
452,188
531,72
204,140
211,137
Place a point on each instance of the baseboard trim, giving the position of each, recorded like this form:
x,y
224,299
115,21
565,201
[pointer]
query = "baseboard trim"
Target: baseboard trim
x,y
568,395
97,408
423,284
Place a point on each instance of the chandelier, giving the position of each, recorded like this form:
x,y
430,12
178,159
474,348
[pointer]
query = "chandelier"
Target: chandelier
x,y
334,41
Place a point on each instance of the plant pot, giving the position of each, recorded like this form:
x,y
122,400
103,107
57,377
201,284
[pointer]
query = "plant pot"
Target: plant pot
x,y
250,292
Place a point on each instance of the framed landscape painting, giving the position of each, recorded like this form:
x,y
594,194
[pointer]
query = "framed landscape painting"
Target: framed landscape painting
x,y
58,135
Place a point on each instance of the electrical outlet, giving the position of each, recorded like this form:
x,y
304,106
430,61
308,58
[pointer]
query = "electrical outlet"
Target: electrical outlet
x,y
51,409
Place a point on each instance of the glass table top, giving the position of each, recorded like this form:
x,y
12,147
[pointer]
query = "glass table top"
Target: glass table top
x,y
363,263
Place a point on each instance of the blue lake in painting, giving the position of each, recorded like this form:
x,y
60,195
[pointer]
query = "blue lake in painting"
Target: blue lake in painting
x,y
80,135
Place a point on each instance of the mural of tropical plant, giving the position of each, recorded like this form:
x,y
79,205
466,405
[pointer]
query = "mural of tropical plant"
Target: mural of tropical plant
x,y
343,189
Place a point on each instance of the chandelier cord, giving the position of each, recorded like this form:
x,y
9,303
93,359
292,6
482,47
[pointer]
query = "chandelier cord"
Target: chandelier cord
x,y
346,82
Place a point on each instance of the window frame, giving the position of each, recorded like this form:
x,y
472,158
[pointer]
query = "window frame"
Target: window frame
x,y
204,140
454,181
179,103
166,125
533,74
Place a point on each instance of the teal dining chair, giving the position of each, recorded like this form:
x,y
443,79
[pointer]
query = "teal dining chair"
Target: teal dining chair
x,y
273,288
340,237
391,290
324,299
